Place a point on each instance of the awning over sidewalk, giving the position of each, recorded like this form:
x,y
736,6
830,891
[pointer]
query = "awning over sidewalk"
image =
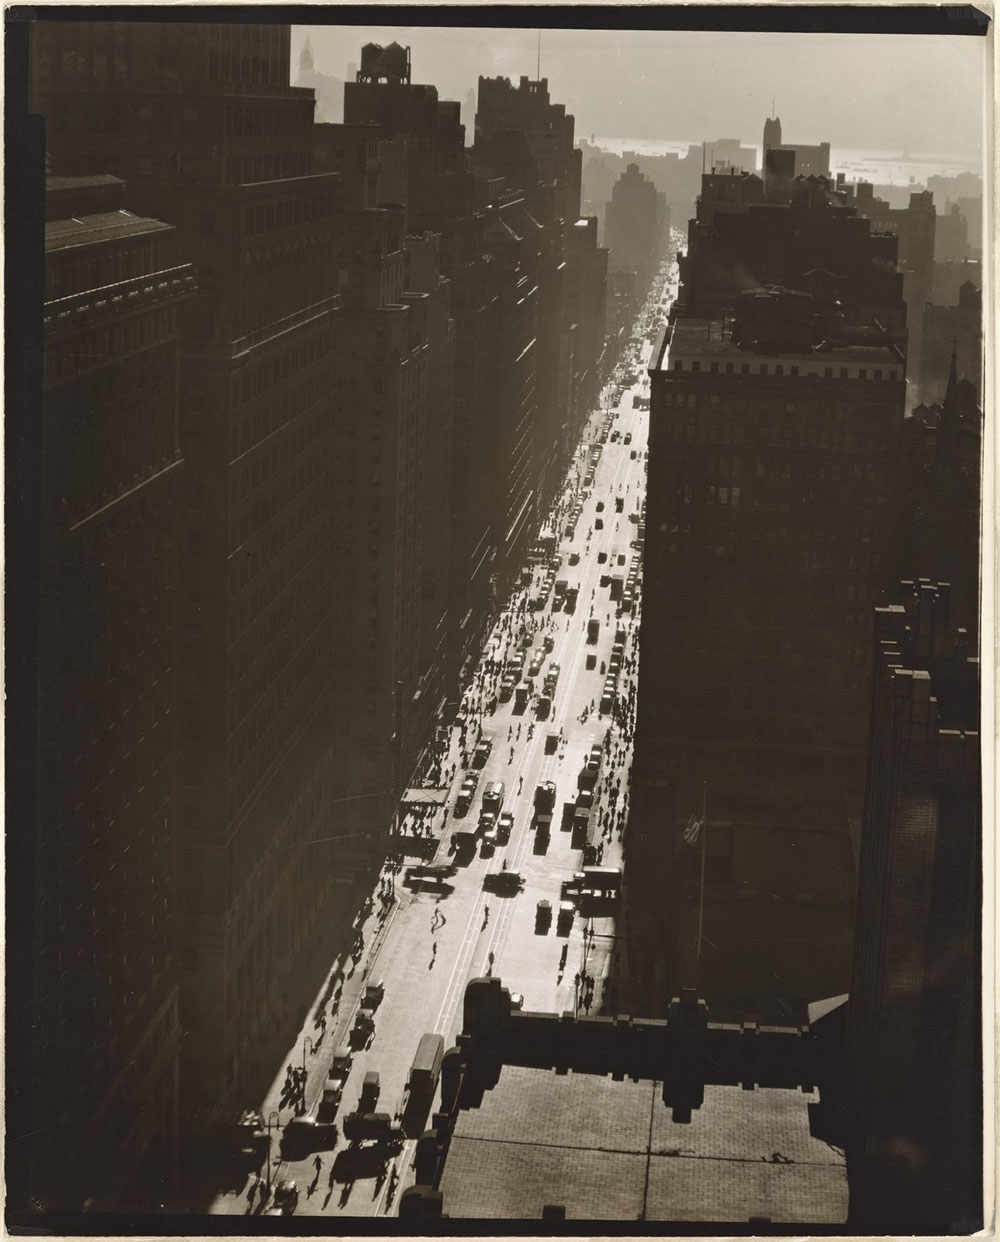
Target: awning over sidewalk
x,y
424,797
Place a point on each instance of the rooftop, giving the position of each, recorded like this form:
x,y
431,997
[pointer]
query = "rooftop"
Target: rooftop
x,y
609,1150
692,340
101,227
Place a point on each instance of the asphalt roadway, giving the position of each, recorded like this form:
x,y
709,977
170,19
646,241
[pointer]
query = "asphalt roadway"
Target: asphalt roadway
x,y
429,940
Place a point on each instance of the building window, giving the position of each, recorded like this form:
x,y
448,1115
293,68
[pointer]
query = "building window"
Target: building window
x,y
710,496
695,366
714,367
763,368
729,368
828,372
795,370
892,375
734,495
745,368
678,365
779,369
863,373
843,372
878,375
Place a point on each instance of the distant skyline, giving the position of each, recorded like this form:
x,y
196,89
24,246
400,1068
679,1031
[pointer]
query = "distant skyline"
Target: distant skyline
x,y
921,93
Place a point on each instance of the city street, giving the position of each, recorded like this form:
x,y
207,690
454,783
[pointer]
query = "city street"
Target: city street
x,y
426,940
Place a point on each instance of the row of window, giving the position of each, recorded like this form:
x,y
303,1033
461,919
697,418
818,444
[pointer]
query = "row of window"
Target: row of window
x,y
778,369
268,166
812,435
288,212
273,120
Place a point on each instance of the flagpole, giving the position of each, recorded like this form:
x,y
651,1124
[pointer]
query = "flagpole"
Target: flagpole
x,y
701,890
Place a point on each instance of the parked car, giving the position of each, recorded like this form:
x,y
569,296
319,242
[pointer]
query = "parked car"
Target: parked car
x,y
482,752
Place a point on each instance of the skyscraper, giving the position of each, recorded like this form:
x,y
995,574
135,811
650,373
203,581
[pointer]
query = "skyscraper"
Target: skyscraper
x,y
632,229
201,119
914,1132
106,1031
771,522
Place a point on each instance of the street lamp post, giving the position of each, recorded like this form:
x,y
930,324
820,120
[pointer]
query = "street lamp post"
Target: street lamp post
x,y
301,1106
277,1121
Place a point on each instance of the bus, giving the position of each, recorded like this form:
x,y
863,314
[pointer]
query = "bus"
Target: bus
x,y
424,1073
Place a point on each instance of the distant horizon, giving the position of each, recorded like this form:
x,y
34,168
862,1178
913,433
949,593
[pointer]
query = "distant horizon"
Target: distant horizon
x,y
878,93
945,163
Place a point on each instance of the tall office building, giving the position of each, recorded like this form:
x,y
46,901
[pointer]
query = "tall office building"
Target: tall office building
x,y
942,510
527,109
913,1088
799,233
955,328
201,120
440,193
915,226
510,241
809,160
770,521
632,230
525,140
103,1089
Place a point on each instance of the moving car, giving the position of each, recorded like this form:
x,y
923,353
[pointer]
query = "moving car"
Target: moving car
x,y
482,752
284,1201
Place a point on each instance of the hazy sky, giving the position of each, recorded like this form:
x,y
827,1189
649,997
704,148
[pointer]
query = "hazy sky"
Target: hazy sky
x,y
924,93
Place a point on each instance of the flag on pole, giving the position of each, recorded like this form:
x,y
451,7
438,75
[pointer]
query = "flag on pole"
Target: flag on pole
x,y
691,832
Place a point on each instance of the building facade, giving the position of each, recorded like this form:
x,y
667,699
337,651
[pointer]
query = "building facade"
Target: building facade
x,y
913,1089
200,117
106,1027
770,523
632,226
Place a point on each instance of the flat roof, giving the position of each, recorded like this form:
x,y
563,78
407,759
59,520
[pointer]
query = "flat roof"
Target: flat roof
x,y
609,1150
697,339
58,182
102,226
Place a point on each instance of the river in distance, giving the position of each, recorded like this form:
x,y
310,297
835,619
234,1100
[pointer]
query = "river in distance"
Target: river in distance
x,y
880,167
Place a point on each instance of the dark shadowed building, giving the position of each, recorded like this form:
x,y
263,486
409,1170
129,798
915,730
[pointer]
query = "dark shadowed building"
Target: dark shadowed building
x,y
106,1034
913,1089
770,521
201,118
942,510
956,328
438,189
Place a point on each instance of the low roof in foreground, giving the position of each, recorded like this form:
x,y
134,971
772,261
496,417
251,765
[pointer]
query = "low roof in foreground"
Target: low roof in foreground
x,y
609,1150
